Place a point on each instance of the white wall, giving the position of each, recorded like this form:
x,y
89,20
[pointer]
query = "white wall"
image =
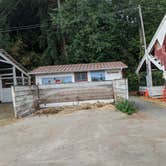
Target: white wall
x,y
113,74
109,75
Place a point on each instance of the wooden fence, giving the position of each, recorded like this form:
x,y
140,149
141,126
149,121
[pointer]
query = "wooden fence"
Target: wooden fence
x,y
154,92
76,92
26,98
120,88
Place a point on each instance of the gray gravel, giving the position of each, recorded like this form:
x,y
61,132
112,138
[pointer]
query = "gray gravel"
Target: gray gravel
x,y
151,109
85,138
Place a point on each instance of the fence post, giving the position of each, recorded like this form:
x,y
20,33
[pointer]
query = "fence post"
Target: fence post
x,y
14,101
38,92
114,89
37,97
127,89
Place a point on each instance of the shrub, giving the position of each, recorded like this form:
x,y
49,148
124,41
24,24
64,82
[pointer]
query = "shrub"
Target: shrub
x,y
157,76
133,81
126,106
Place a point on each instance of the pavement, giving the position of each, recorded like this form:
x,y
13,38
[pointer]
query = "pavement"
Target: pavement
x,y
156,111
87,138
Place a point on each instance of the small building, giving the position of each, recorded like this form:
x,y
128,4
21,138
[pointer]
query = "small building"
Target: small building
x,y
61,74
11,73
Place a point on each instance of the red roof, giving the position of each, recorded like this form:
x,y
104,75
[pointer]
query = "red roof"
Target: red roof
x,y
78,67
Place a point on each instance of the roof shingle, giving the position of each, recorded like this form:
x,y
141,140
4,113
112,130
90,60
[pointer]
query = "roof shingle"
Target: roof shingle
x,y
78,67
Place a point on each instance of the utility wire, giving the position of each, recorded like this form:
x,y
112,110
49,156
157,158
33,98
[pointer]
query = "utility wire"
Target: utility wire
x,y
34,26
24,27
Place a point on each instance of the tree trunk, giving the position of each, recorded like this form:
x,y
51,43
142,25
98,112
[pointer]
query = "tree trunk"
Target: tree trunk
x,y
64,51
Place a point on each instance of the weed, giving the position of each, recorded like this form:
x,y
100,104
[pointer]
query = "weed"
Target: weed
x,y
126,106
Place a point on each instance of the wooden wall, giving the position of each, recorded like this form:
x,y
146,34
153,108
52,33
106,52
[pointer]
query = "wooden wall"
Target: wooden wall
x,y
26,98
120,88
76,92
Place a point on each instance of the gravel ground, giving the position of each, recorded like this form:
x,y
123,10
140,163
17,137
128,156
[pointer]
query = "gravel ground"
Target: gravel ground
x,y
156,111
87,138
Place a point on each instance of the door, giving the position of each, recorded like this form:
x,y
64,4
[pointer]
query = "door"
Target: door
x,y
5,92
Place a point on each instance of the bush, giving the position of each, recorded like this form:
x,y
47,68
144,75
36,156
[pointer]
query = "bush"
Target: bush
x,y
133,81
126,106
157,76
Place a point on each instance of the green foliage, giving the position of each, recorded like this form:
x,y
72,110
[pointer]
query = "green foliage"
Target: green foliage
x,y
158,79
24,45
157,76
95,33
126,106
79,31
133,81
142,79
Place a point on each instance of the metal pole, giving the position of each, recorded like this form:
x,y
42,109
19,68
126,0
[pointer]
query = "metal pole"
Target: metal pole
x,y
148,63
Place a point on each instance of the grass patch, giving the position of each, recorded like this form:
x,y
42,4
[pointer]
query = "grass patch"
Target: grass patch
x,y
126,106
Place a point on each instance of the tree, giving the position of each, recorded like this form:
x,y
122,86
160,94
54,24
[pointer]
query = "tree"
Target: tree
x,y
26,45
78,31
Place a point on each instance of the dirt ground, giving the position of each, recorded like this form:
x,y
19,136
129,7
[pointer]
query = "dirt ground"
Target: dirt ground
x,y
100,106
6,114
161,102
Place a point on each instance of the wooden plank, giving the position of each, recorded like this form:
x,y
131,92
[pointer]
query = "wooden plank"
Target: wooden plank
x,y
6,69
14,76
22,93
76,85
23,80
24,88
81,98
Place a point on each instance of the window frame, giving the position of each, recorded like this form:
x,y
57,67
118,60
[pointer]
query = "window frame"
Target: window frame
x,y
86,76
93,72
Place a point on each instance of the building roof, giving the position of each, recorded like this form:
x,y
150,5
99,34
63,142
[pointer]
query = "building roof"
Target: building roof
x,y
10,58
78,67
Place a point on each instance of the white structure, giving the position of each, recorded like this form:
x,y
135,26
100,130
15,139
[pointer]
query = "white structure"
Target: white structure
x,y
156,51
11,73
61,74
155,58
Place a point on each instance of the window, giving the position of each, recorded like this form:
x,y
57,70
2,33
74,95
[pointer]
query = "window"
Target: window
x,y
81,76
56,80
97,75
